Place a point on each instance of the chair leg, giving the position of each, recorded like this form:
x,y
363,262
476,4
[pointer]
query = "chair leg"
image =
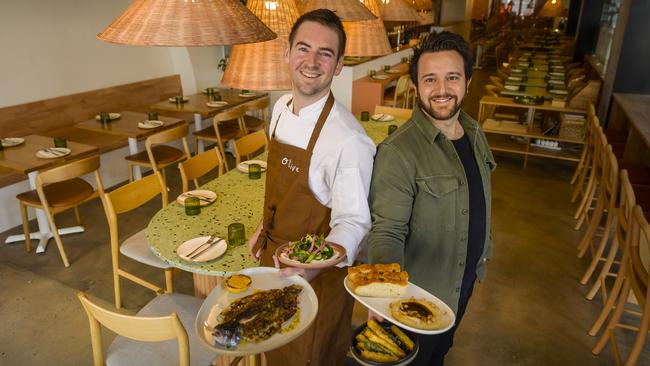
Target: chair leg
x,y
587,238
77,215
117,289
597,255
605,271
616,317
169,280
641,337
580,167
25,218
590,192
130,171
57,240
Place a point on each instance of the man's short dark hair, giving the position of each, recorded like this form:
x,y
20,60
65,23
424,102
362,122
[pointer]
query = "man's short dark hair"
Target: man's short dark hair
x,y
443,41
325,17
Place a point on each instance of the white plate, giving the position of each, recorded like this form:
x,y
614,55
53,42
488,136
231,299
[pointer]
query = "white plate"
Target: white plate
x,y
112,116
216,104
517,70
205,90
381,117
205,197
243,166
150,124
185,99
558,92
557,82
381,306
339,255
12,141
53,152
214,252
263,278
511,87
393,71
515,78
247,95
380,77
556,73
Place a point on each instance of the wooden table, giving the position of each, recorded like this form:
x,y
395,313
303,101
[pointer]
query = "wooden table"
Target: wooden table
x,y
368,91
631,113
499,133
196,105
127,126
22,159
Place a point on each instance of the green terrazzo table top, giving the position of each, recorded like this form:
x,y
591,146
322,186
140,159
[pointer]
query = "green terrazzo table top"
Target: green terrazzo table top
x,y
378,131
239,199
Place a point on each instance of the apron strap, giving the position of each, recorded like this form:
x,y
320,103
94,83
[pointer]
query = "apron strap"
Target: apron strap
x,y
320,123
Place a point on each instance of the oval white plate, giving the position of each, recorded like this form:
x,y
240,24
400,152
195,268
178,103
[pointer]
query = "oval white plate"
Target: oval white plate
x,y
263,278
247,95
243,166
556,73
381,306
339,255
53,152
112,116
216,104
205,197
514,78
214,252
150,124
511,87
557,82
393,71
12,141
558,92
381,77
381,117
185,99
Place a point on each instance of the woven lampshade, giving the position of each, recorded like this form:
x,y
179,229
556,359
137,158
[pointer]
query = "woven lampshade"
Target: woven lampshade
x,y
348,10
422,4
367,37
398,11
186,23
553,9
260,66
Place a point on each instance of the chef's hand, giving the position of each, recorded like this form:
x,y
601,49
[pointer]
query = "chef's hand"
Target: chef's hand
x,y
307,274
374,316
253,240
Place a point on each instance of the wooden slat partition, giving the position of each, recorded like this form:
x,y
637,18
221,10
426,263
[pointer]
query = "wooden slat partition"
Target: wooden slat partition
x,y
63,112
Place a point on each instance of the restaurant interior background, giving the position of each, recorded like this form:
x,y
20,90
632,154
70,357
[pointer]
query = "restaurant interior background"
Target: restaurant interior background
x,y
530,311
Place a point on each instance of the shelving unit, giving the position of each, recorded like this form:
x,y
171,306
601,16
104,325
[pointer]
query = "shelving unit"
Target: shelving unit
x,y
518,138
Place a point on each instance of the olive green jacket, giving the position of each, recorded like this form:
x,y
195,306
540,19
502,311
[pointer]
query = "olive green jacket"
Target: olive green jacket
x,y
420,203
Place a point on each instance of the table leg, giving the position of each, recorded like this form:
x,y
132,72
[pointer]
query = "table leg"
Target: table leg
x,y
479,51
133,149
198,126
44,233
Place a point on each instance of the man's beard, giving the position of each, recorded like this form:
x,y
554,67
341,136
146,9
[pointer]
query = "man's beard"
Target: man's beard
x,y
438,116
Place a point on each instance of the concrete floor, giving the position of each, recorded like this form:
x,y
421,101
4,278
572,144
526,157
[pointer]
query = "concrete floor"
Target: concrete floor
x,y
530,311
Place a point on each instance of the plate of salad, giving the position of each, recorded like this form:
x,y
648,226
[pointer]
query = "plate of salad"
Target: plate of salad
x,y
311,251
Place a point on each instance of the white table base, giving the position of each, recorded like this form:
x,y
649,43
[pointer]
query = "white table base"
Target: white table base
x,y
133,149
198,126
44,233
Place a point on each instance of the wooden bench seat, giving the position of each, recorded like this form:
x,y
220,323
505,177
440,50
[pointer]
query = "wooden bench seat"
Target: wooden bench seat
x,y
58,116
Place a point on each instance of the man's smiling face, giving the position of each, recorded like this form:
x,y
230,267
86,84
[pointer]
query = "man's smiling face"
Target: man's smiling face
x,y
442,85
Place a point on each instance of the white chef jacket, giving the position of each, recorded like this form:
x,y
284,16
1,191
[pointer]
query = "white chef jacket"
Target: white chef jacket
x,y
340,169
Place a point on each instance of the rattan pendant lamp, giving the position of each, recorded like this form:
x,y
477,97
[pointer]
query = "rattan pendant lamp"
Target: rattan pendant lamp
x,y
398,11
553,8
367,37
347,10
260,66
186,23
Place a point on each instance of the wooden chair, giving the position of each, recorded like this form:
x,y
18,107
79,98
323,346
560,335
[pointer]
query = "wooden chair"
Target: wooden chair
x,y
496,81
635,288
225,126
605,209
126,199
199,165
148,337
400,113
158,155
588,189
583,166
247,145
619,248
58,190
254,123
492,90
397,97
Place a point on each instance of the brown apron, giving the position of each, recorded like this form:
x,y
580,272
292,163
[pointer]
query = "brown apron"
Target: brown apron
x,y
290,212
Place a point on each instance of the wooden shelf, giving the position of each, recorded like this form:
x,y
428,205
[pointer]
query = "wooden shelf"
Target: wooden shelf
x,y
555,154
506,144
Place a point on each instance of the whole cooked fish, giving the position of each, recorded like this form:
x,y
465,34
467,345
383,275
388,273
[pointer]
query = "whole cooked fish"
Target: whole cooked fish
x,y
256,317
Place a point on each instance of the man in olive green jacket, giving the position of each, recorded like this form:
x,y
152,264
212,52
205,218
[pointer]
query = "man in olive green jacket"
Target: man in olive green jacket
x,y
430,191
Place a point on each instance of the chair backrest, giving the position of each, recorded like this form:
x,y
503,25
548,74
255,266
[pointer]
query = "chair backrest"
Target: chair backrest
x,y
626,201
401,113
236,114
171,134
496,81
402,85
249,144
492,90
199,165
261,106
154,329
640,247
71,170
